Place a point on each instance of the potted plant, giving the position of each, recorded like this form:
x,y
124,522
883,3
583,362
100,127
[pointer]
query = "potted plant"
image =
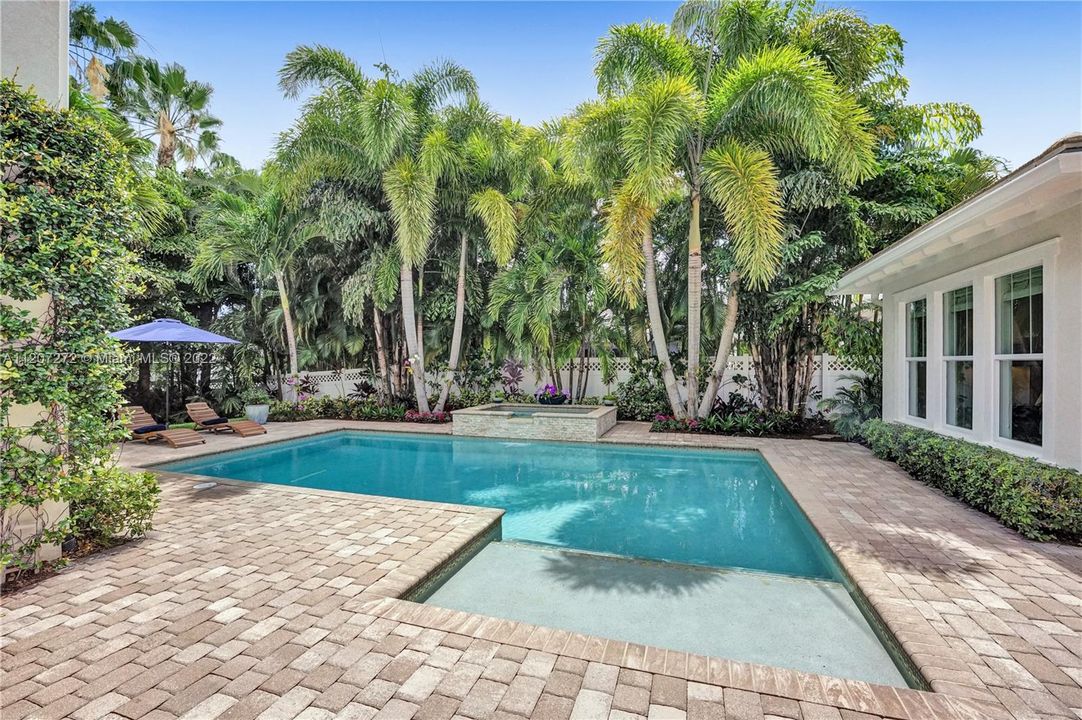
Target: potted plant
x,y
609,400
498,396
549,395
256,404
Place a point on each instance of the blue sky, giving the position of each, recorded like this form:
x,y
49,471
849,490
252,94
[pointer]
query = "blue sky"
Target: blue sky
x,y
1018,63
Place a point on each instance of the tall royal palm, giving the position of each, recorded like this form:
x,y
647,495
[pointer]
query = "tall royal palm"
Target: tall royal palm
x,y
396,133
710,102
166,106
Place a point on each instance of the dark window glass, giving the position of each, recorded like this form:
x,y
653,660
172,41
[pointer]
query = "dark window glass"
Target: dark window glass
x,y
958,322
1021,400
918,388
960,393
1020,313
916,335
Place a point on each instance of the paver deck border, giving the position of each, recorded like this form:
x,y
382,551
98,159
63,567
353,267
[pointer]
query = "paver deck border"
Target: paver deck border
x,y
922,645
885,560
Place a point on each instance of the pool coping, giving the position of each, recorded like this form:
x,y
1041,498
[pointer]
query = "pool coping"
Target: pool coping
x,y
868,578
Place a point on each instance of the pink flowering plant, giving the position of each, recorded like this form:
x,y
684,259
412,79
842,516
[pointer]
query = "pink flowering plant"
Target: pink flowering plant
x,y
434,417
305,386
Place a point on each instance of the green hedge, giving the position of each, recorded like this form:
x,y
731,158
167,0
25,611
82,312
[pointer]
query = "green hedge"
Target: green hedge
x,y
67,218
326,408
114,506
1040,501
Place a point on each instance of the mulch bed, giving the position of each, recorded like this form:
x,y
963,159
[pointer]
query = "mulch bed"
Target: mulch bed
x,y
18,580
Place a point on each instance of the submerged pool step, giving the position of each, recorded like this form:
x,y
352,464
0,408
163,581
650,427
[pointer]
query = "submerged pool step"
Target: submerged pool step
x,y
659,564
789,622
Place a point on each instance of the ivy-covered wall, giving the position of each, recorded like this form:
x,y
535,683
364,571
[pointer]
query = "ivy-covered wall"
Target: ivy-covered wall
x,y
66,220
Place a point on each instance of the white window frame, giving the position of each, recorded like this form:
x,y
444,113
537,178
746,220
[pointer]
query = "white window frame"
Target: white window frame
x,y
946,360
986,401
998,358
909,360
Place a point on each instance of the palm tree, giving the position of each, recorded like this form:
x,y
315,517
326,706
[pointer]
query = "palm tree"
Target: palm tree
x,y
712,100
256,227
90,41
395,133
165,105
601,137
501,162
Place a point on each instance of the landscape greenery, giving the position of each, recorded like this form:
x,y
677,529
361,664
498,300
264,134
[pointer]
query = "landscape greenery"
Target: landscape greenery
x,y
734,163
66,210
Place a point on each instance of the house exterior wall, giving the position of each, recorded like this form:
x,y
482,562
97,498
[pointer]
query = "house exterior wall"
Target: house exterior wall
x,y
1055,245
34,47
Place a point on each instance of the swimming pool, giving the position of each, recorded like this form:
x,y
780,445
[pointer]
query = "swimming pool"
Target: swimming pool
x,y
713,508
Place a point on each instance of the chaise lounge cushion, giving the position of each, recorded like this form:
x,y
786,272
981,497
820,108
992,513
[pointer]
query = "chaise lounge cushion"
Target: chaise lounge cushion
x,y
148,428
214,421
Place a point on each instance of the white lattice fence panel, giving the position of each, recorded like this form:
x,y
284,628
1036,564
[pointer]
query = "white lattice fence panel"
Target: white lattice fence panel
x,y
830,374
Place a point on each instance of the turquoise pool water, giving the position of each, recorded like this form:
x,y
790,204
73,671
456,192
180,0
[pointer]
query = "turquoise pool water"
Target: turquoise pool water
x,y
712,508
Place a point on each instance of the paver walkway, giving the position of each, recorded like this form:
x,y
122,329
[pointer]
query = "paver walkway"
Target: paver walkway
x,y
264,601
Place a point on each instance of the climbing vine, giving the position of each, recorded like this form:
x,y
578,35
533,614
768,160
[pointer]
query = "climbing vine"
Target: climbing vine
x,y
66,217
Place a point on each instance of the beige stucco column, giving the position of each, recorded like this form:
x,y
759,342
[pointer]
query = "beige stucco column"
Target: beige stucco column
x,y
34,46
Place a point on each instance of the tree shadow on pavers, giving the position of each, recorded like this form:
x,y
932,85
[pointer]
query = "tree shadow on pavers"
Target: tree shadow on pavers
x,y
942,537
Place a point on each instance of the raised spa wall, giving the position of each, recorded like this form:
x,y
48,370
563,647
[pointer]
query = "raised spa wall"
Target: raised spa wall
x,y
496,420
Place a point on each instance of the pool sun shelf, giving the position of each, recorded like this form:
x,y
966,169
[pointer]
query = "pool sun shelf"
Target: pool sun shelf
x,y
576,423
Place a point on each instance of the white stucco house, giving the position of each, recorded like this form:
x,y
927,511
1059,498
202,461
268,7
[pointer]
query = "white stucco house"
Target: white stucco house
x,y
982,314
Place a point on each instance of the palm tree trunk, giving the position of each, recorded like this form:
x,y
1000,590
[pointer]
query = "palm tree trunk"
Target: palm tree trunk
x,y
695,294
657,329
381,355
584,370
413,342
287,320
725,346
456,334
144,374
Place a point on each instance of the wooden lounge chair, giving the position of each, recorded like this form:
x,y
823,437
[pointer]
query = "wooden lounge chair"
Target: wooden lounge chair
x,y
144,428
141,424
206,419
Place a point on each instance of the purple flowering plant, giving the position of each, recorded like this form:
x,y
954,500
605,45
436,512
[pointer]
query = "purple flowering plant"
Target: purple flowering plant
x,y
549,391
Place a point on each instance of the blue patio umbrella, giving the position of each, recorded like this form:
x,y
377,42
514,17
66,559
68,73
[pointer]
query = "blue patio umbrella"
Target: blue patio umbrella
x,y
167,330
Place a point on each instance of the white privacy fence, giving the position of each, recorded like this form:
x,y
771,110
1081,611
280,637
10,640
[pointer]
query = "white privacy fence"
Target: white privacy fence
x,y
828,377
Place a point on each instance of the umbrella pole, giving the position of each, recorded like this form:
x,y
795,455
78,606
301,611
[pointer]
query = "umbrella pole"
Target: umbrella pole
x,y
168,383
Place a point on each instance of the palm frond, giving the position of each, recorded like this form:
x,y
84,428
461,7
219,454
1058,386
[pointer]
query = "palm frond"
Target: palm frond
x,y
387,118
438,82
639,52
412,196
781,88
628,218
660,116
743,182
498,218
308,65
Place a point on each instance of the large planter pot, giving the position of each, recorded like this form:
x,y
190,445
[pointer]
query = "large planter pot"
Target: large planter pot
x,y
257,413
552,399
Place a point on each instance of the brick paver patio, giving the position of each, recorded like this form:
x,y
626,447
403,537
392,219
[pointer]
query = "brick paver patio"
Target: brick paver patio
x,y
264,601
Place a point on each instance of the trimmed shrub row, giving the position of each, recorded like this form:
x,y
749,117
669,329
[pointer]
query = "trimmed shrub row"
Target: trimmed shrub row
x,y
1040,501
325,408
758,424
